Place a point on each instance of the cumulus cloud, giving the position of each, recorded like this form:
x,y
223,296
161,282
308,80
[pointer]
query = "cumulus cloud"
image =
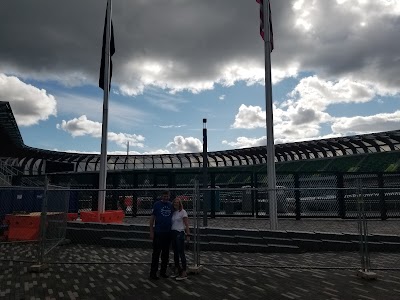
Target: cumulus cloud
x,y
222,97
302,115
182,144
312,92
186,45
29,104
245,142
157,151
367,124
249,117
83,127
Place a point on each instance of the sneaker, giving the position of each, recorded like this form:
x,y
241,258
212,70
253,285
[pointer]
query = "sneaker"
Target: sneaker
x,y
174,275
154,277
182,277
164,275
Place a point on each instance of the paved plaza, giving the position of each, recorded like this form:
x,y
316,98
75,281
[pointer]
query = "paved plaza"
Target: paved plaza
x,y
95,272
225,276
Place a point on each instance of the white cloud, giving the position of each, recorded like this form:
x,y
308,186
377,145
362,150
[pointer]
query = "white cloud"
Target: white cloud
x,y
171,126
313,92
157,151
222,97
195,53
185,145
83,127
246,142
29,104
367,124
249,117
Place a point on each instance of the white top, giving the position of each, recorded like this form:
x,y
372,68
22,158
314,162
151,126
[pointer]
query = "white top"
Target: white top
x,y
177,220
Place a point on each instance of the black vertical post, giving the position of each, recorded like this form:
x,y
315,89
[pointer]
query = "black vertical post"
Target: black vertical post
x,y
135,184
297,196
95,194
382,202
255,184
205,179
340,195
115,179
16,180
252,193
213,193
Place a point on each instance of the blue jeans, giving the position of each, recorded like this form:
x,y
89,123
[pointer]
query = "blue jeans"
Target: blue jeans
x,y
178,244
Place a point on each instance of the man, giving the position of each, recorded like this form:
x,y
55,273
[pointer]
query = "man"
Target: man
x,y
160,233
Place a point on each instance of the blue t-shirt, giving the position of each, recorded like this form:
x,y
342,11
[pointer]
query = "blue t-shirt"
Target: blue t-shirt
x,y
163,214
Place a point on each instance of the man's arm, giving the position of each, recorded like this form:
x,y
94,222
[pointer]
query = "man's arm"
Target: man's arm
x,y
152,218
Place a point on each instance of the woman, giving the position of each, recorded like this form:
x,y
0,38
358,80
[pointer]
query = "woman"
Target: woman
x,y
180,225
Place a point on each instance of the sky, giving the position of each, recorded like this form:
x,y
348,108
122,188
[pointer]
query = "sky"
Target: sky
x,y
335,72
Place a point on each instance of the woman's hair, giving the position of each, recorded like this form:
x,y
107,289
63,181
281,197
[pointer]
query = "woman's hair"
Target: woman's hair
x,y
180,203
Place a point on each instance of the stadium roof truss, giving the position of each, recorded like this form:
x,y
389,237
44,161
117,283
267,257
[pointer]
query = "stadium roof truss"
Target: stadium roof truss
x,y
30,160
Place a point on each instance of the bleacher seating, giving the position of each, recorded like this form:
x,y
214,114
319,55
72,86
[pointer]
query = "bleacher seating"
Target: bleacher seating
x,y
379,162
344,164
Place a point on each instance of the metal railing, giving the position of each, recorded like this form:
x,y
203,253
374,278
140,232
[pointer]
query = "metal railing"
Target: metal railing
x,y
241,231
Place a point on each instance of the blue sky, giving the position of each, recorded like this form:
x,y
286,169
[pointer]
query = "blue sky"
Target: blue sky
x,y
198,60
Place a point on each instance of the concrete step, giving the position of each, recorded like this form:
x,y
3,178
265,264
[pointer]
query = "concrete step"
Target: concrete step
x,y
233,240
279,241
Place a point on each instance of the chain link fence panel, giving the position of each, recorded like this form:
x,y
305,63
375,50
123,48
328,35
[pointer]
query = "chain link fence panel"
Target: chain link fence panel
x,y
20,210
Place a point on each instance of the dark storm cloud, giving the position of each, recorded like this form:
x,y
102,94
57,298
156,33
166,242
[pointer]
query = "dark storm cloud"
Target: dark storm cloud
x,y
193,42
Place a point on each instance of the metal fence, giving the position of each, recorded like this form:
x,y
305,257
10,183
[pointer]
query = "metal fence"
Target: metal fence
x,y
237,223
33,221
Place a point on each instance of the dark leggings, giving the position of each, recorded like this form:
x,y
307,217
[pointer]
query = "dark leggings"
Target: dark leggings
x,y
178,243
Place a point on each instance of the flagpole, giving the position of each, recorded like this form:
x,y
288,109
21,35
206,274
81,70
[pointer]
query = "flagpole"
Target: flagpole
x,y
104,129
271,176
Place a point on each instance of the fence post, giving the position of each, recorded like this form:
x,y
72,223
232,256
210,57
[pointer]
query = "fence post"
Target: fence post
x,y
256,193
382,202
212,196
297,196
365,271
340,195
40,266
196,268
252,195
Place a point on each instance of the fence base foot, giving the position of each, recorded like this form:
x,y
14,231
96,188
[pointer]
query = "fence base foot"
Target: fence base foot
x,y
368,275
195,269
38,268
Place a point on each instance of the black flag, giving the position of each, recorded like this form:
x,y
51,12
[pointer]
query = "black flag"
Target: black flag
x,y
261,2
103,54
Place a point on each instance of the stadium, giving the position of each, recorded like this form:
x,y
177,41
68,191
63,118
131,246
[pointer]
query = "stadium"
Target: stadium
x,y
315,178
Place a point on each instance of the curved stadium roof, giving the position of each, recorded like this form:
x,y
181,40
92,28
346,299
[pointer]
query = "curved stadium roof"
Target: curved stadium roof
x,y
30,160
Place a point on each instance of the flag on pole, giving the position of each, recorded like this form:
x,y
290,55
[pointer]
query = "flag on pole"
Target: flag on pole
x,y
103,53
261,2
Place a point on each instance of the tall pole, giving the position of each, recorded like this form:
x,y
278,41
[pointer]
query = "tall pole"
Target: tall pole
x,y
104,129
127,148
205,179
271,176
